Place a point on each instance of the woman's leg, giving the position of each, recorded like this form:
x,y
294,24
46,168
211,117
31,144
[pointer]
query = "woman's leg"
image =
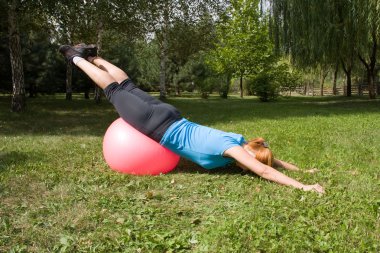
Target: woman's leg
x,y
122,78
118,74
100,77
77,55
105,73
129,106
134,106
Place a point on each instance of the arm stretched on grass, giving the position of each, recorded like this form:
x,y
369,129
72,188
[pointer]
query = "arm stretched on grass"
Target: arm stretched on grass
x,y
246,161
282,164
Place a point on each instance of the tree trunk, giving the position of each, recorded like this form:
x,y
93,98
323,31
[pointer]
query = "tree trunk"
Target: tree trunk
x,y
371,67
226,88
322,83
87,93
371,86
360,89
349,83
32,90
347,70
18,95
162,72
176,82
69,81
335,92
241,86
323,77
99,44
305,88
370,78
286,30
163,51
372,70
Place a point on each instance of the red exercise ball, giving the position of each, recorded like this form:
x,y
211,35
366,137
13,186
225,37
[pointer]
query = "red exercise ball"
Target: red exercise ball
x,y
127,150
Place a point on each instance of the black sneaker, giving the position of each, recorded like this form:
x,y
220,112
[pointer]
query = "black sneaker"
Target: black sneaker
x,y
69,52
87,50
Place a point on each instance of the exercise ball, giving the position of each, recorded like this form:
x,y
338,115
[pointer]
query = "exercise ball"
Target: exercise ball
x,y
127,150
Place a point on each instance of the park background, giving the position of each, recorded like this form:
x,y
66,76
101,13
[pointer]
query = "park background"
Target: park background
x,y
259,48
302,74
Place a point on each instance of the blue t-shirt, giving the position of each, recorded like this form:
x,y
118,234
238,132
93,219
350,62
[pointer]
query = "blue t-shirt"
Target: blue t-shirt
x,y
203,145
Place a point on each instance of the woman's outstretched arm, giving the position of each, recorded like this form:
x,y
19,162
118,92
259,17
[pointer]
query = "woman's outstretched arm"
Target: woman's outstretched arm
x,y
282,164
245,160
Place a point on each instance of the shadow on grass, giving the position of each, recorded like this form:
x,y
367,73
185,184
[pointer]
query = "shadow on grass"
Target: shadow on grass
x,y
214,111
56,116
14,158
49,115
187,167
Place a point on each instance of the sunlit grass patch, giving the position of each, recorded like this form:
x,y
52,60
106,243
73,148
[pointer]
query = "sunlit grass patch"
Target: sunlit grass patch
x,y
57,193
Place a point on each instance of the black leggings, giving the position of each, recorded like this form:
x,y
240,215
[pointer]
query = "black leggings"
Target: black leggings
x,y
142,111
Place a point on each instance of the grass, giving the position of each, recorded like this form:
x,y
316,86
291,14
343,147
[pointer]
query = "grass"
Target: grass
x,y
58,195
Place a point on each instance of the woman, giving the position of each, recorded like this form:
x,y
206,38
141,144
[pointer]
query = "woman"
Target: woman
x,y
205,146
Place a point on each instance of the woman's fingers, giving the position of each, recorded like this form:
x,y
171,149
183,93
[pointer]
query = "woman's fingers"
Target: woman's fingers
x,y
318,188
315,187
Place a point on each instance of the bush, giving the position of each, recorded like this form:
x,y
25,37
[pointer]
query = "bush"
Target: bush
x,y
205,79
264,86
268,83
197,75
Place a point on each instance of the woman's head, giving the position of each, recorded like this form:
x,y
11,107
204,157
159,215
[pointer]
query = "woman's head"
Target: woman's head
x,y
261,150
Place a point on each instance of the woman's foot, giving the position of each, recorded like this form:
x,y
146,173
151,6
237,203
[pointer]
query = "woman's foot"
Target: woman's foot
x,y
81,50
87,50
69,52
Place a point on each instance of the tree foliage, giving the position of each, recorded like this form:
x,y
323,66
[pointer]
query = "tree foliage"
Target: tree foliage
x,y
243,46
274,78
320,33
181,29
197,45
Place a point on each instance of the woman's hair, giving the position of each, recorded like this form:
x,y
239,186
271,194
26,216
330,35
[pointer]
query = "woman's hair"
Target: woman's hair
x,y
261,150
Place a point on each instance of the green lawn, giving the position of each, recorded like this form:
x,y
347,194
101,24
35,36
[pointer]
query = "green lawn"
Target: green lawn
x,y
58,195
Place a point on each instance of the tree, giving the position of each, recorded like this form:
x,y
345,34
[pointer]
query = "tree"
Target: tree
x,y
148,63
243,45
344,35
368,26
328,32
79,21
204,78
158,18
26,18
163,15
276,77
66,18
187,37
105,17
18,94
5,68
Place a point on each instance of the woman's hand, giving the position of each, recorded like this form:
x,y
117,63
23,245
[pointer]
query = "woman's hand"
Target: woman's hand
x,y
290,166
312,171
315,187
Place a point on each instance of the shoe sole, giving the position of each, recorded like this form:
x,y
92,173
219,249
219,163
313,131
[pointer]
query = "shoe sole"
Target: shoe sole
x,y
87,50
